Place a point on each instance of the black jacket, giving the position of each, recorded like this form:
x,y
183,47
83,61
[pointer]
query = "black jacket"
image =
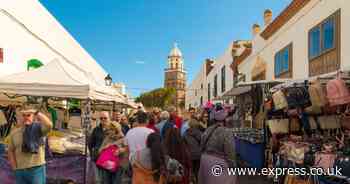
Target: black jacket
x,y
95,142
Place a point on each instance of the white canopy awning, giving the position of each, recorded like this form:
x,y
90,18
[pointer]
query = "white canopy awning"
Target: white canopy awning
x,y
57,79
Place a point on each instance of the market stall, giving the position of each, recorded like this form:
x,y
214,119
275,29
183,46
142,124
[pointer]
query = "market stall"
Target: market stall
x,y
308,124
59,81
250,134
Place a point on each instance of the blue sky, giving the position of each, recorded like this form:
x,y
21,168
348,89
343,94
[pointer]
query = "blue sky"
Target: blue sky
x,y
131,39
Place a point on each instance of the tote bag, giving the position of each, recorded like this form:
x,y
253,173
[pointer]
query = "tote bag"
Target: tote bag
x,y
278,126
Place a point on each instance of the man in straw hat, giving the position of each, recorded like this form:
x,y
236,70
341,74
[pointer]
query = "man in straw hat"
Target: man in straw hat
x,y
27,147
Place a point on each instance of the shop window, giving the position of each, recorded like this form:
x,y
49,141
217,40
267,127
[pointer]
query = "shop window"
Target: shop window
x,y
324,46
1,55
283,62
223,79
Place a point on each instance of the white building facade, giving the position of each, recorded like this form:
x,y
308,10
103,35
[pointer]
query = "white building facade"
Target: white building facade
x,y
29,31
309,38
214,78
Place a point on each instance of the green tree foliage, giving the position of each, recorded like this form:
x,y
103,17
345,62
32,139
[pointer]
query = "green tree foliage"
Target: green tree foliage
x,y
160,97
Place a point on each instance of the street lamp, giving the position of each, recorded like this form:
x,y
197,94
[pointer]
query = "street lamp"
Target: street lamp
x,y
108,80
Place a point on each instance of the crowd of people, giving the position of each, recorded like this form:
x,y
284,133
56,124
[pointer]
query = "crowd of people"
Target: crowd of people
x,y
162,147
157,147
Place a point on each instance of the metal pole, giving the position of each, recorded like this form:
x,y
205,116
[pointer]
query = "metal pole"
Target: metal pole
x,y
86,126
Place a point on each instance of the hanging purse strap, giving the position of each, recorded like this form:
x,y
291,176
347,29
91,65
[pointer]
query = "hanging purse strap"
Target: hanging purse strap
x,y
209,136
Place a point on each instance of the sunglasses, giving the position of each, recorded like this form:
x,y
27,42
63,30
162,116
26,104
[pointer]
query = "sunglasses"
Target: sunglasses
x,y
26,115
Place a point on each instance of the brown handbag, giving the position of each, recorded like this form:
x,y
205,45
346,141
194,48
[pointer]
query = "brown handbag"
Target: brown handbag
x,y
294,125
278,126
317,94
345,119
329,122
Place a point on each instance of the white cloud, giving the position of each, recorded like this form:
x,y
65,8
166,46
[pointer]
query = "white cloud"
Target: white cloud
x,y
140,62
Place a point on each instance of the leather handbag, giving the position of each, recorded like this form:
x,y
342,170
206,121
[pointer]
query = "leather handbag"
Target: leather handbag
x,y
325,160
278,126
337,92
314,110
279,100
294,125
329,122
345,119
313,123
317,93
345,122
297,97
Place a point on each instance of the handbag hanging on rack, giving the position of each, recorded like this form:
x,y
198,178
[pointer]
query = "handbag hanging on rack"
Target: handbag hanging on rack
x,y
337,92
278,126
329,122
317,94
279,100
345,119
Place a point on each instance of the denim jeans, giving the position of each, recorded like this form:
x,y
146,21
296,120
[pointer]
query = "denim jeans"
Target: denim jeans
x,y
34,175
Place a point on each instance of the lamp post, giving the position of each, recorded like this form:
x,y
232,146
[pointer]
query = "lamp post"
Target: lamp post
x,y
108,80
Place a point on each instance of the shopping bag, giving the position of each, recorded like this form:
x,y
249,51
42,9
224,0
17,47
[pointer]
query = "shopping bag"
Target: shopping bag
x,y
108,160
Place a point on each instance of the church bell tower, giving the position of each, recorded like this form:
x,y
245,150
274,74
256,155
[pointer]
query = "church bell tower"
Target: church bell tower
x,y
175,75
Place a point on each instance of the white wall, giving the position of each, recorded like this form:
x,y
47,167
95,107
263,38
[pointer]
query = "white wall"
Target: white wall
x,y
224,60
191,98
20,46
296,31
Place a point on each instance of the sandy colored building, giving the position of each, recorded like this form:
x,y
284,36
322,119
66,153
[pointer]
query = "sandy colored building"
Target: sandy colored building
x,y
308,38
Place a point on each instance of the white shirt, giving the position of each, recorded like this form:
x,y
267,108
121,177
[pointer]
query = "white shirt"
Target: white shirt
x,y
136,139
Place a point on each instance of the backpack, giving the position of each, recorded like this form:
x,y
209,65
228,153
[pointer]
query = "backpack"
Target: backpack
x,y
175,170
337,92
165,128
193,142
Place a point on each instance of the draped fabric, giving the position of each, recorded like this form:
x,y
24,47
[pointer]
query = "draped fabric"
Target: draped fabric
x,y
58,168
